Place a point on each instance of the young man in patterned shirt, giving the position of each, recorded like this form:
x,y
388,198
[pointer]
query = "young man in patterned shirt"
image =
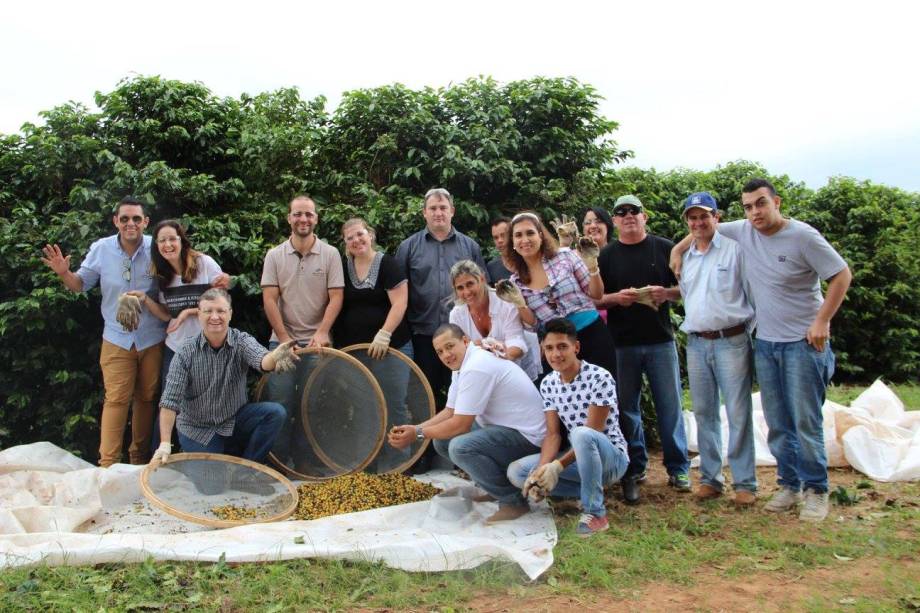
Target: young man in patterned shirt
x,y
581,397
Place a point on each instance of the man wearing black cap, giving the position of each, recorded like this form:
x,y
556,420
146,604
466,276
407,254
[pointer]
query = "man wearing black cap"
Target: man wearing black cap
x,y
718,321
638,286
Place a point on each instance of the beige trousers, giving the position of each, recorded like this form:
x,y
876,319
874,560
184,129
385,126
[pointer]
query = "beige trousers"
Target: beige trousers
x,y
128,374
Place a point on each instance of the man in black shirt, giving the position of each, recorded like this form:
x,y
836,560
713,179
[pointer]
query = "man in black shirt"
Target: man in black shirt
x,y
638,286
496,268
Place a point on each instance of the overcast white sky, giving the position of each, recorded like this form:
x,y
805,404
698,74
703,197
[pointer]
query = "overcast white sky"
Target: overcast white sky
x,y
810,89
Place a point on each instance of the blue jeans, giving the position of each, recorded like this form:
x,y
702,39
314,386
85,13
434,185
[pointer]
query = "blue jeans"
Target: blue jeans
x,y
485,453
168,355
292,447
793,379
597,463
392,374
726,365
659,363
254,433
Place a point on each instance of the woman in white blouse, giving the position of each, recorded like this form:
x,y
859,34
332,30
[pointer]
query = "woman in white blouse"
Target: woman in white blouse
x,y
489,322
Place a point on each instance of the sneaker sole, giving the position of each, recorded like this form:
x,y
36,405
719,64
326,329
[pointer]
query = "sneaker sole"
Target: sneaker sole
x,y
585,535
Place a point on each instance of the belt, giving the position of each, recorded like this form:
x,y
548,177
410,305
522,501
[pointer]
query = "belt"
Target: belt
x,y
733,331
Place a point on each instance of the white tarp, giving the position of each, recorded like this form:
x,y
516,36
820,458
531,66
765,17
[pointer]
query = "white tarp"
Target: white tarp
x,y
874,435
56,509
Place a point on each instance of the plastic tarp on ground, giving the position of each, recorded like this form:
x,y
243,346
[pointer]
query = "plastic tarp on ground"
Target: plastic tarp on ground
x,y
874,435
56,509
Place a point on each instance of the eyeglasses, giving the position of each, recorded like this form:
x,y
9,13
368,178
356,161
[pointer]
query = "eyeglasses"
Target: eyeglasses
x,y
623,211
126,269
137,219
219,311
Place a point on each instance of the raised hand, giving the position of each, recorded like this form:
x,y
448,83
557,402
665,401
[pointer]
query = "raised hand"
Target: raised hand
x,y
509,292
588,251
566,229
55,260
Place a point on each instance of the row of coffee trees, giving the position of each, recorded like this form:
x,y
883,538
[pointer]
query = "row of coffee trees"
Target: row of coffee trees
x,y
228,166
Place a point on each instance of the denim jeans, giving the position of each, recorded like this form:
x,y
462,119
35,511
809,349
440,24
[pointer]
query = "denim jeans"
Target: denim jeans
x,y
659,363
254,433
723,365
485,453
292,447
392,374
793,379
597,463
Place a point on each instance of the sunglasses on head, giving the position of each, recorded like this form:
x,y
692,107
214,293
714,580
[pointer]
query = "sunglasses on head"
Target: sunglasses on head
x,y
136,219
623,211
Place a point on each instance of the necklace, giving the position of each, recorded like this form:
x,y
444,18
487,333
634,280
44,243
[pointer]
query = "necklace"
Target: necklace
x,y
483,322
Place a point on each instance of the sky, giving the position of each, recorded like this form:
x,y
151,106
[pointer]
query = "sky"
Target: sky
x,y
809,89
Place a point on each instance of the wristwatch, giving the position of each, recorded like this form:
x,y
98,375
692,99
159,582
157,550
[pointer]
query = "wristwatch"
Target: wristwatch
x,y
419,435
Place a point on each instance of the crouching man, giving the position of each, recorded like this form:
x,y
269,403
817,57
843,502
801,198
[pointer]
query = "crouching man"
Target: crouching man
x,y
581,397
206,388
493,417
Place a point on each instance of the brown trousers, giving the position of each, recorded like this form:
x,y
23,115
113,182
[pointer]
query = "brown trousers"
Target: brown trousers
x,y
128,374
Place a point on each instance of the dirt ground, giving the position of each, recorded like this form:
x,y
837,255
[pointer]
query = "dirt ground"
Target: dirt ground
x,y
861,578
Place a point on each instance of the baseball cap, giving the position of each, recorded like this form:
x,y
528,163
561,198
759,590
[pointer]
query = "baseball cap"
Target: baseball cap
x,y
628,200
701,200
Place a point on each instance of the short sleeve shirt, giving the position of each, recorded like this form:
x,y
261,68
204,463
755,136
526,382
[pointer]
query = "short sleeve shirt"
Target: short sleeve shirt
x,y
498,393
366,303
566,291
110,267
304,282
784,273
180,295
625,266
426,262
592,385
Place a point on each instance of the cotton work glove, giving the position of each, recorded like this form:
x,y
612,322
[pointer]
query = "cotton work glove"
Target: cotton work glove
x,y
509,292
547,476
379,345
284,356
161,455
128,312
588,251
566,229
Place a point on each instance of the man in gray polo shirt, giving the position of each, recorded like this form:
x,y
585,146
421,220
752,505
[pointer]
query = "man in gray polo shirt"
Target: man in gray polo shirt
x,y
784,262
427,257
718,320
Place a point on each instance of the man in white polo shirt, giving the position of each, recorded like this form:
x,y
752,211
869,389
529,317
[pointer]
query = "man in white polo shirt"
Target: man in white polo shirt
x,y
718,321
494,415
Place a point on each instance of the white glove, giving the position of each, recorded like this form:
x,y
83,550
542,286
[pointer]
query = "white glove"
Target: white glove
x,y
284,356
161,455
532,490
509,292
128,312
379,345
547,476
588,252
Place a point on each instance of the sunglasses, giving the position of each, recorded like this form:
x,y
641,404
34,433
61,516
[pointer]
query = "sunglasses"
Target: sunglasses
x,y
126,269
623,211
137,219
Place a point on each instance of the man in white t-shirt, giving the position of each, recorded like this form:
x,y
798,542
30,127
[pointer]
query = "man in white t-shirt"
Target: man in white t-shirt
x,y
494,415
784,262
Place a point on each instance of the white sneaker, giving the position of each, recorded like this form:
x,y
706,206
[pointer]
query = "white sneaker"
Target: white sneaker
x,y
815,507
783,501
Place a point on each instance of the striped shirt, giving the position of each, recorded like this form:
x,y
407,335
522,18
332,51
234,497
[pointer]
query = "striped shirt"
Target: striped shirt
x,y
207,387
566,292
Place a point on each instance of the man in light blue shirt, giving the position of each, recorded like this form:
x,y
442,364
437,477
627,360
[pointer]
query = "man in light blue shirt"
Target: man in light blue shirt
x,y
130,359
718,322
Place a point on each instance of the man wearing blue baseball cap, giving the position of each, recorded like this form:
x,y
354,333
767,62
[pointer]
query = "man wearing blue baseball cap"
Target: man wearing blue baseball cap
x,y
784,261
718,321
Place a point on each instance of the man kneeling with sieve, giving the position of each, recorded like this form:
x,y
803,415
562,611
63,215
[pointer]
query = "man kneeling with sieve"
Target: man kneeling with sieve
x,y
494,415
206,388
